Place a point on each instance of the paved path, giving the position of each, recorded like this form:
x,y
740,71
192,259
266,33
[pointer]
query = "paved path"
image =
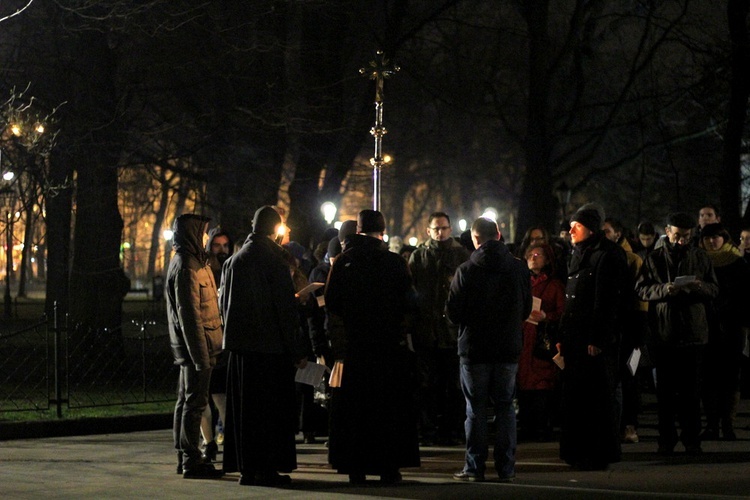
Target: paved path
x,y
141,465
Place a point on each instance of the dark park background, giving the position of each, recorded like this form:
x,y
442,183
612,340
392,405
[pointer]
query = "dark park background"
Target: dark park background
x,y
121,114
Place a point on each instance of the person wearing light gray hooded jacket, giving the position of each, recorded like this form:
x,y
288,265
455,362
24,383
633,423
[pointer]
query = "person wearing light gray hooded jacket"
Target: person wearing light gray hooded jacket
x,y
195,336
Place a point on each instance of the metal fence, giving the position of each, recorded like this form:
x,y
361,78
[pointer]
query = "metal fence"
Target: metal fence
x,y
52,364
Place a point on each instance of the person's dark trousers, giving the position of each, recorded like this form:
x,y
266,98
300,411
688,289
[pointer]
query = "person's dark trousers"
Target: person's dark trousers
x,y
480,383
305,395
450,400
628,397
678,384
427,403
192,398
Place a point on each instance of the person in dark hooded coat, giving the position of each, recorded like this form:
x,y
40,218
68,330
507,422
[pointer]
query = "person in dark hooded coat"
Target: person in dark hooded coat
x,y
195,336
265,343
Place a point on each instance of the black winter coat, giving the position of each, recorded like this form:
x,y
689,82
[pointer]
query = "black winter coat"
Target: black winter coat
x,y
597,297
257,299
489,298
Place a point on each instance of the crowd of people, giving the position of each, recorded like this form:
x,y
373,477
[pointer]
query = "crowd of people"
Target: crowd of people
x,y
423,346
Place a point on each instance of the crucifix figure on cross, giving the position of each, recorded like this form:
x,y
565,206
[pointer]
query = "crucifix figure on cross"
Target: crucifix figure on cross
x,y
378,70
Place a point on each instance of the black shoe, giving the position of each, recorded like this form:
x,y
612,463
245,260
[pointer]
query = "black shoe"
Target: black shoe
x,y
391,477
209,454
202,471
710,434
728,434
357,479
247,480
309,438
693,449
665,450
271,479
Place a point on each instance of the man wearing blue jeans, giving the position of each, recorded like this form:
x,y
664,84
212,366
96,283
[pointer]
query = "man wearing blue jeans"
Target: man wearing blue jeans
x,y
489,299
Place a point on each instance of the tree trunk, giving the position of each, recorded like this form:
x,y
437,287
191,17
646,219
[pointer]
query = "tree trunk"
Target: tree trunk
x,y
58,217
98,283
161,214
537,204
737,15
26,252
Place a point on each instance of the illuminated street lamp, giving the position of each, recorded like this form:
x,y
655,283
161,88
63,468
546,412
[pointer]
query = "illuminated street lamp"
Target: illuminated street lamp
x,y
490,213
328,209
462,225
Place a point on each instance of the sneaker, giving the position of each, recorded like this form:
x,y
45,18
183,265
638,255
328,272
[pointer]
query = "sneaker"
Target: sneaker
x,y
630,435
506,479
468,477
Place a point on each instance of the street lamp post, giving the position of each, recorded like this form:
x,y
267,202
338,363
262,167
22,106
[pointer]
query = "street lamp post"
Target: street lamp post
x,y
7,197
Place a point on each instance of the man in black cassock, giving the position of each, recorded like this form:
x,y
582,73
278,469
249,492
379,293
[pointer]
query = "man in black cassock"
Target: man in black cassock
x,y
373,425
265,343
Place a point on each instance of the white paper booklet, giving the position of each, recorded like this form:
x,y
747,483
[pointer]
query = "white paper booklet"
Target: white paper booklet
x,y
311,374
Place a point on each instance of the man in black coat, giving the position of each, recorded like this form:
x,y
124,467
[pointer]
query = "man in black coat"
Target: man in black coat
x,y
369,298
679,326
263,336
598,296
489,298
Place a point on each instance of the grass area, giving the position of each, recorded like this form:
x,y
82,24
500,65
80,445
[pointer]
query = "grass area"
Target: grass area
x,y
29,311
96,412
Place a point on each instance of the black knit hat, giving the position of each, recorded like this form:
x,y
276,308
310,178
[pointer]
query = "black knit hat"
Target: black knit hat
x,y
712,230
348,228
370,221
265,220
590,215
681,219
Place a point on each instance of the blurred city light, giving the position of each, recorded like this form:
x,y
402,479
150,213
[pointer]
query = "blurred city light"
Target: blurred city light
x,y
490,213
329,211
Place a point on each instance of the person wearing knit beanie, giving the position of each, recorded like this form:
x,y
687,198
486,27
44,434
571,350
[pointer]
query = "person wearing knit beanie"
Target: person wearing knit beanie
x,y
590,215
